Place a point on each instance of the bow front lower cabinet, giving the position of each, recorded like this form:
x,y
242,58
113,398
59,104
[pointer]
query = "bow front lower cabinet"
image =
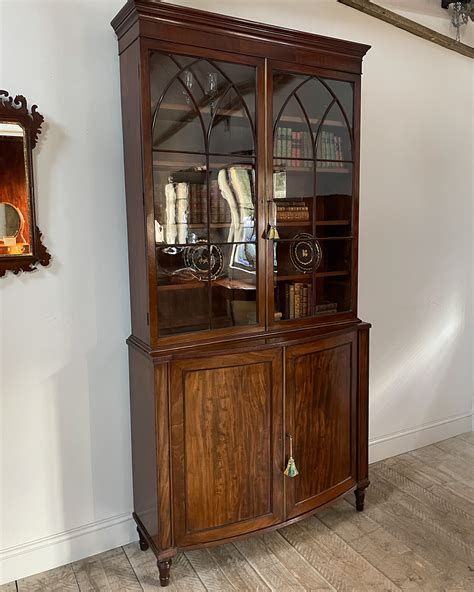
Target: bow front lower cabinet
x,y
248,362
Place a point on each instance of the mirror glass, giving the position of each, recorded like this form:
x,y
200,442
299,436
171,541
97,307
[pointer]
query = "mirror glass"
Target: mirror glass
x,y
10,221
15,219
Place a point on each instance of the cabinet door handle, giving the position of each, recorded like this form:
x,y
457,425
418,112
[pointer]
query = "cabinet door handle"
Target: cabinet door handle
x,y
291,470
272,231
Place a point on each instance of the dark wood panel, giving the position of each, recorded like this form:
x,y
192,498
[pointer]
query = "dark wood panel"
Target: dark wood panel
x,y
162,421
226,445
132,139
320,405
363,406
144,457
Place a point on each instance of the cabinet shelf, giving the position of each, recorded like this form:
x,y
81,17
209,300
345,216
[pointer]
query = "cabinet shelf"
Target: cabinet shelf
x,y
222,283
166,164
159,163
295,169
308,276
288,223
241,115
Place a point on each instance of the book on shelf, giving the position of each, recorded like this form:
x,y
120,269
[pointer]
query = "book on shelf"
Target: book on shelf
x,y
296,302
293,147
330,148
293,211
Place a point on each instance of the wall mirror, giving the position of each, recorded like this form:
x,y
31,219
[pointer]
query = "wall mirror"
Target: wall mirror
x,y
21,247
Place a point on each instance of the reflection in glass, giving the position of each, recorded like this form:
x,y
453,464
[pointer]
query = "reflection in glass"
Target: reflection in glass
x,y
15,225
234,293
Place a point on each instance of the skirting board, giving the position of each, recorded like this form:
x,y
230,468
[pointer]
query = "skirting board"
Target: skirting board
x,y
424,435
37,556
50,552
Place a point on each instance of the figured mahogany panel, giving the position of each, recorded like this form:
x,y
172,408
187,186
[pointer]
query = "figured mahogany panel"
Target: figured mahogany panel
x,y
226,430
321,409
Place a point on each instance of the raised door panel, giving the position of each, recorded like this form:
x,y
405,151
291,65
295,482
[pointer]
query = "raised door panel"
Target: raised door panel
x,y
320,416
226,445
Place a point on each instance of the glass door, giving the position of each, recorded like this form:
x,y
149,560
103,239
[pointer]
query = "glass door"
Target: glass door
x,y
205,192
312,166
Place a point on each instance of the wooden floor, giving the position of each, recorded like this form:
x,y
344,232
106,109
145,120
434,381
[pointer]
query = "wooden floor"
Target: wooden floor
x,y
416,533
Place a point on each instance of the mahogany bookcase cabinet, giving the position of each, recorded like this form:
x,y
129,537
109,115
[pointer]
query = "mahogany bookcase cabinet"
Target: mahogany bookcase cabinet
x,y
248,363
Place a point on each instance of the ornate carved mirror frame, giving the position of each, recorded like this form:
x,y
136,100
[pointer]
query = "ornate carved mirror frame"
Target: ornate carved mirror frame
x,y
22,249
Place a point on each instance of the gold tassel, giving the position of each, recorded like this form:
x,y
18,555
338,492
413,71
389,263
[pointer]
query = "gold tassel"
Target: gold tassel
x,y
291,470
272,232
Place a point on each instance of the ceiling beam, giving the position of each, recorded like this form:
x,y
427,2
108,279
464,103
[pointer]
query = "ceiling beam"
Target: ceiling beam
x,y
408,25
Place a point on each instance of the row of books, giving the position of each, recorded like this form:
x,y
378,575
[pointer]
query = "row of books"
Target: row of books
x,y
297,299
292,211
293,146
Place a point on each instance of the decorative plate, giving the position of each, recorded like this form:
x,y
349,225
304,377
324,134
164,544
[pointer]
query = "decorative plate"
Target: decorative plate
x,y
199,258
305,252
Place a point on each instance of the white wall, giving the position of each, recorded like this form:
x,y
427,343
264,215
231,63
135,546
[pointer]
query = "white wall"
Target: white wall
x,y
65,456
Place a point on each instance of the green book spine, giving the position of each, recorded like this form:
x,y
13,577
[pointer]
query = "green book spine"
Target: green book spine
x,y
332,148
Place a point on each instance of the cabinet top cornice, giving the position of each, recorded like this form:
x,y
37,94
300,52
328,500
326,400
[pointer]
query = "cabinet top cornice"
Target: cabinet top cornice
x,y
172,14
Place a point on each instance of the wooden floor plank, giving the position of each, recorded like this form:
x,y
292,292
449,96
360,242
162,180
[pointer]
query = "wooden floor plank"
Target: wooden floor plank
x,y
334,559
107,572
237,569
183,577
416,530
61,579
397,561
279,565
10,587
457,492
468,437
454,496
452,468
458,448
437,508
209,571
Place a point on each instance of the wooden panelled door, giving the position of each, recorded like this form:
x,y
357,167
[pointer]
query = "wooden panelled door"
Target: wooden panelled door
x,y
226,439
320,407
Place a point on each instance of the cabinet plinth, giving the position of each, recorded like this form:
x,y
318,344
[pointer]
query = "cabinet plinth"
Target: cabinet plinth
x,y
248,363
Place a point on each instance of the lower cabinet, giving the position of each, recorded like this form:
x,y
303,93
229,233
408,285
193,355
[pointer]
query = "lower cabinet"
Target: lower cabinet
x,y
230,444
212,436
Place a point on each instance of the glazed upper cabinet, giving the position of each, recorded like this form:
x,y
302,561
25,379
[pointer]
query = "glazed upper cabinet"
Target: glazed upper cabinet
x,y
208,182
248,363
250,194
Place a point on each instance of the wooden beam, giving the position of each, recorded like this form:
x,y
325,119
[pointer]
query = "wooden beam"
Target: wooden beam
x,y
408,25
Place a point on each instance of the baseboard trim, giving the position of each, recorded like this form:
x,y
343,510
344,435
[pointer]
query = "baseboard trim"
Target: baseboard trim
x,y
419,436
34,557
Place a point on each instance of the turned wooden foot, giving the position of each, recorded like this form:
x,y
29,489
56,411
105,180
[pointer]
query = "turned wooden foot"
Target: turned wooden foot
x,y
360,499
143,543
164,567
